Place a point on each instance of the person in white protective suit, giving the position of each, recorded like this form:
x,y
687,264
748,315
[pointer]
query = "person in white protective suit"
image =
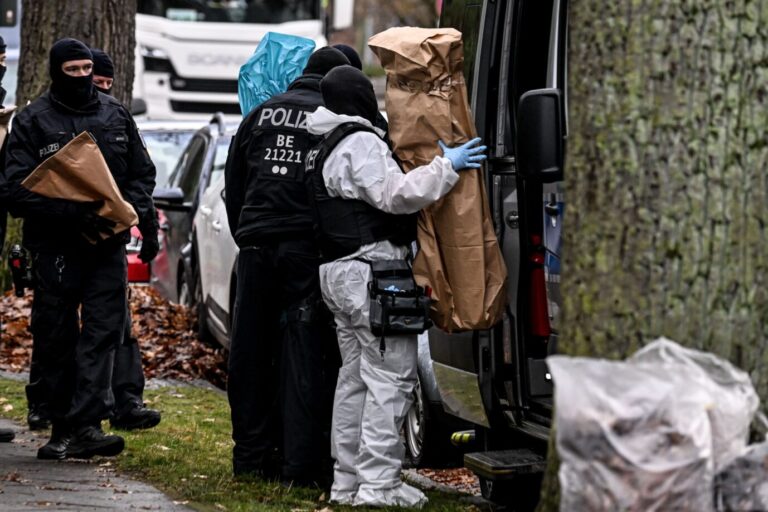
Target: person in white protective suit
x,y
364,204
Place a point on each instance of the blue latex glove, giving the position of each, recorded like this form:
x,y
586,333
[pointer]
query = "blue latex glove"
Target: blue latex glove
x,y
466,156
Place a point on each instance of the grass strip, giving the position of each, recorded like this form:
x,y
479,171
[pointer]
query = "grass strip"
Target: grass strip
x,y
188,456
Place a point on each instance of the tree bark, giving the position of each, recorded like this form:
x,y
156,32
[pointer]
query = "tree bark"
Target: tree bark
x,y
667,182
106,24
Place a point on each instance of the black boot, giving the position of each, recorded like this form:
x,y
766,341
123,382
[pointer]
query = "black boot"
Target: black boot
x,y
56,447
138,417
90,440
37,418
6,435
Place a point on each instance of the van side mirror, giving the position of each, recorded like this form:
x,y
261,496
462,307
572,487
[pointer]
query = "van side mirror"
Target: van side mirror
x,y
171,199
541,135
138,107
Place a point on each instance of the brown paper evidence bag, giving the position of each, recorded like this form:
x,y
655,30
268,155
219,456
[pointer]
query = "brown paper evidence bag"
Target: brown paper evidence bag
x,y
426,97
78,172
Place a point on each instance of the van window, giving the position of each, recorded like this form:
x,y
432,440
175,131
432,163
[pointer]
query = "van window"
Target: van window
x,y
531,48
465,16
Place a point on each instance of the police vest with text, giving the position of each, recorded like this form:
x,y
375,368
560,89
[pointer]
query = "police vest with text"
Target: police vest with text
x,y
276,202
344,225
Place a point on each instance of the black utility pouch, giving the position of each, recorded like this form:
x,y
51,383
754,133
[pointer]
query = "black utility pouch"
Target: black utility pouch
x,y
398,305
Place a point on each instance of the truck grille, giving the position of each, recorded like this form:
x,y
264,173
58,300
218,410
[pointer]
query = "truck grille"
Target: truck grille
x,y
205,107
203,85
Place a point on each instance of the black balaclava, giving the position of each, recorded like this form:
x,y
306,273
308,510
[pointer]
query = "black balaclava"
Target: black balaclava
x,y
351,55
102,66
346,90
324,60
72,91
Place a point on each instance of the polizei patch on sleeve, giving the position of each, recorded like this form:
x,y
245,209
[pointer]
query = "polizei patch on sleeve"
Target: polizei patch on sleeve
x,y
283,117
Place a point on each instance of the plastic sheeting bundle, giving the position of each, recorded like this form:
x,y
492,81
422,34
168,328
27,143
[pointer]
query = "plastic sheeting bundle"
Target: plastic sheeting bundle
x,y
648,434
278,60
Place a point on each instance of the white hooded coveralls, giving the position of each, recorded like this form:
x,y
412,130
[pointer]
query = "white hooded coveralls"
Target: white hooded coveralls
x,y
373,393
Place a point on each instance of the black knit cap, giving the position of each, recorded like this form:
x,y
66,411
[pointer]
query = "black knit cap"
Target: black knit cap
x,y
65,50
2,45
102,64
324,60
346,90
351,55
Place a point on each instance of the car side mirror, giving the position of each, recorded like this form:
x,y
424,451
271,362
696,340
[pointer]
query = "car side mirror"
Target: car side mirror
x,y
541,135
171,199
138,107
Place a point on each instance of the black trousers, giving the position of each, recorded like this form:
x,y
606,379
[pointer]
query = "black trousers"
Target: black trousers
x,y
127,372
283,362
127,377
78,319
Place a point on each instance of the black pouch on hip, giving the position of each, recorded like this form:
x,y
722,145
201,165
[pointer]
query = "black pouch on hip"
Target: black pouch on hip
x,y
398,305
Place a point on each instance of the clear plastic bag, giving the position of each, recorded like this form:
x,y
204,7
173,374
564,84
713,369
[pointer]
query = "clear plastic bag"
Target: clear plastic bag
x,y
734,398
743,484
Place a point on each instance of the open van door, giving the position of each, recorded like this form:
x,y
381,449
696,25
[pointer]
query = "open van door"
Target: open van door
x,y
515,67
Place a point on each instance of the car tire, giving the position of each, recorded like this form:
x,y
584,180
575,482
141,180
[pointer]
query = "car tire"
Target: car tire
x,y
185,292
427,439
203,332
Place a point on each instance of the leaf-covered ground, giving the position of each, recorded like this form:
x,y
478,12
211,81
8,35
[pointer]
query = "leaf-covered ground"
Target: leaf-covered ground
x,y
165,331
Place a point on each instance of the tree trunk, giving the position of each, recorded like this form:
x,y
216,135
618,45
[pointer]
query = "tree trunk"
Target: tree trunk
x,y
106,24
667,182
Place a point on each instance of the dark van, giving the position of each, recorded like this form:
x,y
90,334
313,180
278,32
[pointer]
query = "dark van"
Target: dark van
x,y
497,380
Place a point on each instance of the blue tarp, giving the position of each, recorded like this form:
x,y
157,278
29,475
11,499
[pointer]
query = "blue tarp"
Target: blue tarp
x,y
278,60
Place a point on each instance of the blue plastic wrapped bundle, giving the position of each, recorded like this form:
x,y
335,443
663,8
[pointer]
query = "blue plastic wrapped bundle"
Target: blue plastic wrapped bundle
x,y
278,60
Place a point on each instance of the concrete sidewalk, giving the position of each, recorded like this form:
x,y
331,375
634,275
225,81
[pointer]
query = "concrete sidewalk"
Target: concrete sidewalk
x,y
28,484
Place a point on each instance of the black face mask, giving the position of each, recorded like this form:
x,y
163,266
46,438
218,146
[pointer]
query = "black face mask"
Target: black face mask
x,y
3,68
73,91
102,90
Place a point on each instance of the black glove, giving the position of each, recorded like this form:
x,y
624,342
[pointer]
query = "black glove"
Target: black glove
x,y
90,223
150,245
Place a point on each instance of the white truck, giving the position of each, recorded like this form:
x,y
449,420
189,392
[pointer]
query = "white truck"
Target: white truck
x,y
189,52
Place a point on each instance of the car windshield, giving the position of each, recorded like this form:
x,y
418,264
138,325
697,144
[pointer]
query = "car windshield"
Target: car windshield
x,y
232,11
164,148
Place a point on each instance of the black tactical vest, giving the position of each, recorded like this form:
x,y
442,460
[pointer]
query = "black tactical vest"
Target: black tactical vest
x,y
275,202
344,225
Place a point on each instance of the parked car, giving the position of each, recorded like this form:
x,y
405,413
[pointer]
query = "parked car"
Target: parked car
x,y
214,255
165,140
198,166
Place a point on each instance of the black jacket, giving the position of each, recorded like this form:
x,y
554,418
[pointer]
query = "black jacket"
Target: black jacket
x,y
43,128
266,198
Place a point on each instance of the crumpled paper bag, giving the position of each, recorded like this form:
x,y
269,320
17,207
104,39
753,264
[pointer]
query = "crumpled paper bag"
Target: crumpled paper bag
x,y
78,172
426,98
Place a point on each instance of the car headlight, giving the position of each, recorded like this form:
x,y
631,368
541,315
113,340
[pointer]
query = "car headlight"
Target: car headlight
x,y
155,59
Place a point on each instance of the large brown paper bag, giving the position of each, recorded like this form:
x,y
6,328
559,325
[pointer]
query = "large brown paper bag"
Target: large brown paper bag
x,y
426,99
5,119
78,172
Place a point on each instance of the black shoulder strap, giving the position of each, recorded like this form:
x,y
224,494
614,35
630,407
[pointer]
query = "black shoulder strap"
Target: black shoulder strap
x,y
316,157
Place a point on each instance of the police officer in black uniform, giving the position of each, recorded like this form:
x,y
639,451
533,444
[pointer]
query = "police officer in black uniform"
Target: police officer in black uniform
x,y
127,373
278,366
80,302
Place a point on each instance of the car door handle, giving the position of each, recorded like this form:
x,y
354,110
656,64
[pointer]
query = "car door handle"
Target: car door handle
x,y
216,226
205,210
